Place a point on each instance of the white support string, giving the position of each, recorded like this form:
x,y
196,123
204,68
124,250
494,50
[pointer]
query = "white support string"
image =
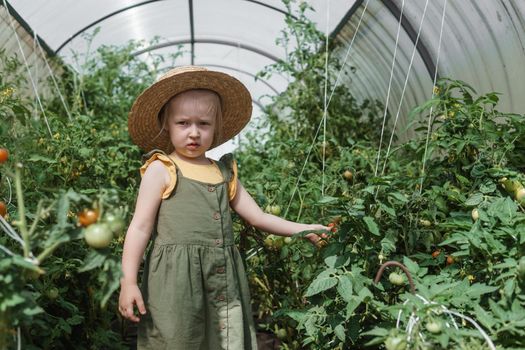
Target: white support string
x,y
33,84
10,231
325,107
413,320
52,74
405,86
433,95
327,104
389,86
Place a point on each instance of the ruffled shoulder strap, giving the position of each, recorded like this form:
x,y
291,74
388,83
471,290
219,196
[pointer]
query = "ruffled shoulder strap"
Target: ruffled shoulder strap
x,y
230,173
170,165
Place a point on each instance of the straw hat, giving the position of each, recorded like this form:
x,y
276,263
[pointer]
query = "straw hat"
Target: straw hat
x,y
143,125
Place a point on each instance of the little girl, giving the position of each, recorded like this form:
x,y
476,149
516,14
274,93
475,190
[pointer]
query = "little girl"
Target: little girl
x,y
194,293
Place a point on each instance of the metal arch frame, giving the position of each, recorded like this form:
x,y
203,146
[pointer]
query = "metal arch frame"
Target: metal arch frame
x,y
407,26
100,20
244,72
272,7
146,3
208,41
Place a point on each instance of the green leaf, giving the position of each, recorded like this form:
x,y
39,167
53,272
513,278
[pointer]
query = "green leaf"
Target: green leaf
x,y
344,287
298,316
352,305
488,187
92,261
324,281
412,266
62,210
371,224
31,311
398,196
484,317
474,199
327,199
339,331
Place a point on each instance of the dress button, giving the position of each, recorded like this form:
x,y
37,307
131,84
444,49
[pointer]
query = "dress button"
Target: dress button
x,y
218,241
216,215
221,298
220,270
211,188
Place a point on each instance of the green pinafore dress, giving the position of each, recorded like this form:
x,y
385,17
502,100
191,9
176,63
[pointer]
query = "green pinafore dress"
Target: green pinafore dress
x,y
194,284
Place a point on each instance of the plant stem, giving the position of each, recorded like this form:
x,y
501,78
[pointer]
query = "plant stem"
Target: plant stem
x,y
46,252
21,211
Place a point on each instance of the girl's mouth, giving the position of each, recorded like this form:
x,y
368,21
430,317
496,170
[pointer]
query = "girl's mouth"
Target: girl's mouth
x,y
192,145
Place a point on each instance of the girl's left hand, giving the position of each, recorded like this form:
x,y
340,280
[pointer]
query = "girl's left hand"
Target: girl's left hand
x,y
317,240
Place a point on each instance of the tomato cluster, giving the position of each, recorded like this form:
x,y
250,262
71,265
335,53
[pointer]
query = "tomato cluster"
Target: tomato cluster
x,y
99,234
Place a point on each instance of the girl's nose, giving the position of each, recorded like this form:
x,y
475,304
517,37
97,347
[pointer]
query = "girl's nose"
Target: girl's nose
x,y
194,131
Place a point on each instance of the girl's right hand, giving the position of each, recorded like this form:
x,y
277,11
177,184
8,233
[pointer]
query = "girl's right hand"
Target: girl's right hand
x,y
130,296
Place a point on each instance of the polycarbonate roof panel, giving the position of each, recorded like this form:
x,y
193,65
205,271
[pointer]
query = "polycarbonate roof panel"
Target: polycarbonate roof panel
x,y
56,20
167,20
371,55
483,44
239,22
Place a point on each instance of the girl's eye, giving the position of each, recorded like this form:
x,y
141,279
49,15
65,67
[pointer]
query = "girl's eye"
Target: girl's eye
x,y
181,122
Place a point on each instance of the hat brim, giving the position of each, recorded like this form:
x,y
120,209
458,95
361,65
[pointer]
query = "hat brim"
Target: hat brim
x,y
143,125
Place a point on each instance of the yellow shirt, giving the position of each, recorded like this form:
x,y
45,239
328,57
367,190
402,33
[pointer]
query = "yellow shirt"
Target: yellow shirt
x,y
209,173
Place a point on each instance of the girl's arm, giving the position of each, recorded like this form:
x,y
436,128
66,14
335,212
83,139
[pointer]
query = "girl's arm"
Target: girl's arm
x,y
248,209
153,184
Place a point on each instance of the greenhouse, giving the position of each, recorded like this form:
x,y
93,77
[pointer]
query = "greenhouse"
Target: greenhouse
x,y
249,174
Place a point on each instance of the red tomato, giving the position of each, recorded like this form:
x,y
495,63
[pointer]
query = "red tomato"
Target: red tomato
x,y
4,155
450,259
87,217
3,209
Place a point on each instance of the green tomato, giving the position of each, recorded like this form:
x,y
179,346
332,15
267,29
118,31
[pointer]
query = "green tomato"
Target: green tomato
x,y
52,293
395,343
278,243
425,223
281,333
396,279
520,195
269,241
434,326
98,235
276,210
475,214
288,240
115,223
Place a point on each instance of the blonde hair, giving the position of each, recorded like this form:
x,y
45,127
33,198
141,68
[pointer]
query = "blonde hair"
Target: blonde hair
x,y
202,100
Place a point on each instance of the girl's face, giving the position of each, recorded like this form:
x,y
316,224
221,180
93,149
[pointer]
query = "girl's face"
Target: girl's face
x,y
191,123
